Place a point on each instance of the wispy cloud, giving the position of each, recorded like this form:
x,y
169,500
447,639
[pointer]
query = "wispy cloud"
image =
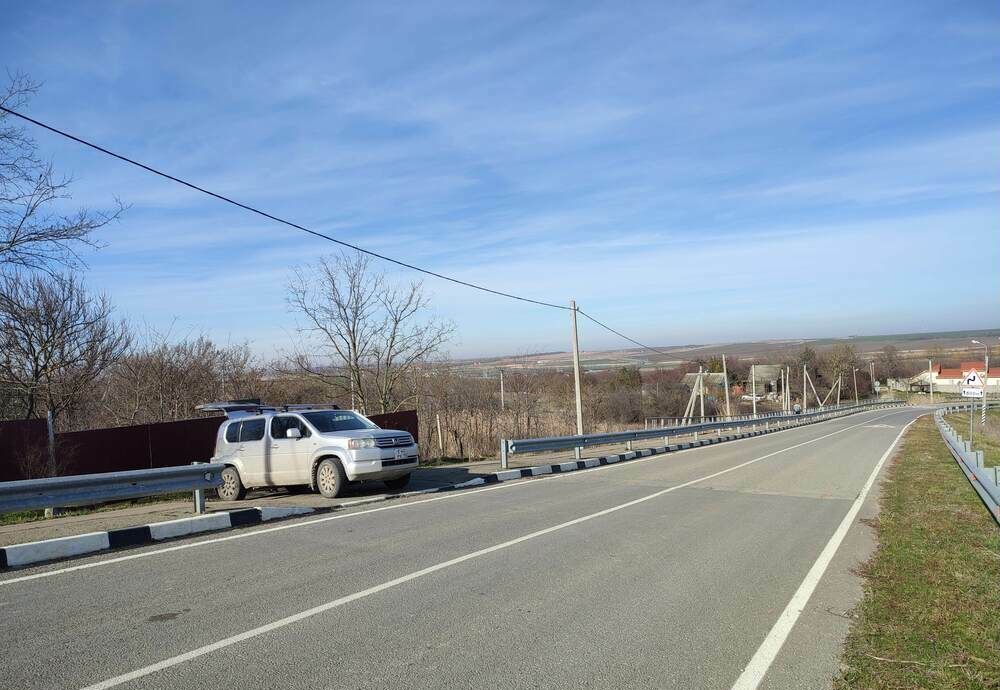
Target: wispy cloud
x,y
703,172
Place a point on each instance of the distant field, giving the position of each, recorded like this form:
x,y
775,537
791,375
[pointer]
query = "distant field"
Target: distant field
x,y
951,344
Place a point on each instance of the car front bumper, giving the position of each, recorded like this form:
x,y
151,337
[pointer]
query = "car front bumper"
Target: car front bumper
x,y
381,463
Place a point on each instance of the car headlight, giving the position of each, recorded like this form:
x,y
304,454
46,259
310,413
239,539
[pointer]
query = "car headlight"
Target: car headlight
x,y
359,443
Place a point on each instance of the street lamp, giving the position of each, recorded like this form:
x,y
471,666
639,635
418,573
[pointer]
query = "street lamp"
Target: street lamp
x,y
986,364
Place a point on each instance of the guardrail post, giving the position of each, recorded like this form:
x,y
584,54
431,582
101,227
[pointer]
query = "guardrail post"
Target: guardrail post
x,y
980,460
628,445
503,453
199,497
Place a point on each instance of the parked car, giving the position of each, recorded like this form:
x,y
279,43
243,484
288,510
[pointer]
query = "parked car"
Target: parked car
x,y
323,449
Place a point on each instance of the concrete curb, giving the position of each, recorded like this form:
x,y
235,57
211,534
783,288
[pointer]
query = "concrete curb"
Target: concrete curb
x,y
67,547
20,555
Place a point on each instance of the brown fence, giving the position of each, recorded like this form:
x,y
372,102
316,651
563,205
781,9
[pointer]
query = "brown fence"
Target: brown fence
x,y
137,447
23,445
403,421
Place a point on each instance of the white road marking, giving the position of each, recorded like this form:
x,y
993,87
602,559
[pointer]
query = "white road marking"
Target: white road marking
x,y
765,655
309,613
341,516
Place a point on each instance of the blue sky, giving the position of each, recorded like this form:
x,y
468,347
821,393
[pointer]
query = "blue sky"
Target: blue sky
x,y
730,171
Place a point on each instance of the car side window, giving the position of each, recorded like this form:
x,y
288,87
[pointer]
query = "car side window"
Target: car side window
x,y
233,432
279,425
252,430
298,422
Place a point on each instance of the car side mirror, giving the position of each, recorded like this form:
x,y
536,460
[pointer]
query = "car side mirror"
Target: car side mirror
x,y
293,433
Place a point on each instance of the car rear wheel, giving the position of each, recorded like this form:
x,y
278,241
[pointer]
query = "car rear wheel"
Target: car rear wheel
x,y
330,478
232,488
398,482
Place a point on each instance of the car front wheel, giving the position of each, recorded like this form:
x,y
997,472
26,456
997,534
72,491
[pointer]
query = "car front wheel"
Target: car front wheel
x,y
232,488
398,482
330,478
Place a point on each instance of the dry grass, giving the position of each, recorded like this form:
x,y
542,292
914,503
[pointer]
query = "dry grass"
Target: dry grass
x,y
929,618
986,439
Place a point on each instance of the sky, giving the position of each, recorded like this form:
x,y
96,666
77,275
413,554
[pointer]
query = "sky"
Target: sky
x,y
688,173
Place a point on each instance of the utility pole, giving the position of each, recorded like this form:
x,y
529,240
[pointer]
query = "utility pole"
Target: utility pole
x,y
781,377
502,405
576,376
855,375
753,388
871,366
50,427
725,383
701,392
840,380
930,379
805,400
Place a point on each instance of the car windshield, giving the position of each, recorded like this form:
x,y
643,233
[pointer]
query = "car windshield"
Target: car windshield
x,y
339,420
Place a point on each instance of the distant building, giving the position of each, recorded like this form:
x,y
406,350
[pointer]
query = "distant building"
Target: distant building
x,y
690,380
951,380
767,377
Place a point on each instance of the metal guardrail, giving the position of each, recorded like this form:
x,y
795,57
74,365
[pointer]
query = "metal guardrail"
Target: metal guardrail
x,y
510,447
88,489
985,480
652,422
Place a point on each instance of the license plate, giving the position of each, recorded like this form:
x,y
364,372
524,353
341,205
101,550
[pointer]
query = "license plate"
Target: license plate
x,y
400,454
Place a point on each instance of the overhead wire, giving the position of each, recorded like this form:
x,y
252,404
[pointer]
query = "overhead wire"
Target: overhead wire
x,y
316,233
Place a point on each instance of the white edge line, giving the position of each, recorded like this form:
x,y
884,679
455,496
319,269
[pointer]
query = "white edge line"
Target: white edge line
x,y
316,610
294,524
768,651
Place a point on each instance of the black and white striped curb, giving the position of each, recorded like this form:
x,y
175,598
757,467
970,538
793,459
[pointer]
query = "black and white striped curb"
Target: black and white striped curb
x,y
67,547
574,465
81,544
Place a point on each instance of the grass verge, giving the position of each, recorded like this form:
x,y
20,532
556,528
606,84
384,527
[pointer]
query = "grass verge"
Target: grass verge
x,y
929,618
986,439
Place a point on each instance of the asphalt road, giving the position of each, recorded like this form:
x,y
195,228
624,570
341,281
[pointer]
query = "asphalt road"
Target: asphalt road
x,y
668,572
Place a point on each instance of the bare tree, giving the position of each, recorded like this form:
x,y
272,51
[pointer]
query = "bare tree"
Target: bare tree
x,y
374,333
890,362
55,340
33,235
159,379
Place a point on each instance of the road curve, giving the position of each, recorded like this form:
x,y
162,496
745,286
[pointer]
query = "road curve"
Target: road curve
x,y
667,572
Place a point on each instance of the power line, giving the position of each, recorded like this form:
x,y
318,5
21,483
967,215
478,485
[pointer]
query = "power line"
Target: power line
x,y
269,216
277,219
620,334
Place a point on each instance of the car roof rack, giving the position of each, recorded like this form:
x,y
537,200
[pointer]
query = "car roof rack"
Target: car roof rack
x,y
246,408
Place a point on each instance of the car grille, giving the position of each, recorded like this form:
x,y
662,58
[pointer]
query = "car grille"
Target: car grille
x,y
401,461
394,441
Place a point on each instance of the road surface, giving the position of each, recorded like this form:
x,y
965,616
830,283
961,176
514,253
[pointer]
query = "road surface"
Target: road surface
x,y
676,571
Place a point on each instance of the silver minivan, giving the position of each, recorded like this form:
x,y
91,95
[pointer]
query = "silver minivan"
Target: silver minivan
x,y
323,449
